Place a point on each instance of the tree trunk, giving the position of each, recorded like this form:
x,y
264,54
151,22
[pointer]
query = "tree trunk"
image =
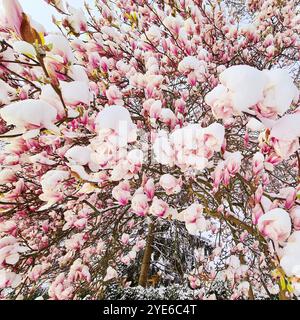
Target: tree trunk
x,y
147,257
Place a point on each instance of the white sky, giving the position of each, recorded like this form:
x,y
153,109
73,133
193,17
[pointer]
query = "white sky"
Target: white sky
x,y
41,12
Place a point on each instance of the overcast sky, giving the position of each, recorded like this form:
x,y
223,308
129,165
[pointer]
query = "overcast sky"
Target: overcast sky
x,y
40,11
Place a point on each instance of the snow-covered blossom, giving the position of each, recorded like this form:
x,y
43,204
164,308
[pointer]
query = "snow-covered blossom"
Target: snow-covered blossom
x,y
275,224
191,146
244,88
30,114
118,119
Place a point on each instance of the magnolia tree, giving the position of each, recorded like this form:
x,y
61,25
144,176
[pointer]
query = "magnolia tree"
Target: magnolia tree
x,y
150,140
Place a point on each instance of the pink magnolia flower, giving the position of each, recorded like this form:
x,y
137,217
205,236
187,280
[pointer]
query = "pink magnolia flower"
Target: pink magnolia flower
x,y
140,244
7,176
290,256
126,260
76,19
60,46
295,215
79,272
155,109
121,193
9,279
159,208
10,250
289,194
75,92
275,224
170,184
257,212
125,238
118,119
61,288
135,159
139,204
8,227
78,155
114,96
149,189
52,190
258,163
194,219
233,162
13,14
214,136
36,272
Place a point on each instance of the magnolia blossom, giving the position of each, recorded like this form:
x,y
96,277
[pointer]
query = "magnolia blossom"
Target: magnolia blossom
x,y
170,184
9,279
194,219
79,272
192,66
159,208
30,114
139,204
275,224
153,34
61,288
258,163
10,250
114,96
233,162
52,190
118,119
75,92
295,215
7,175
290,257
121,193
149,189
76,19
191,146
244,88
285,142
13,14
60,46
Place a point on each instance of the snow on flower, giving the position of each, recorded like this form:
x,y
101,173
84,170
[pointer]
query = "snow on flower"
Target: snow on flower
x,y
191,146
118,119
290,257
30,114
275,224
244,88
